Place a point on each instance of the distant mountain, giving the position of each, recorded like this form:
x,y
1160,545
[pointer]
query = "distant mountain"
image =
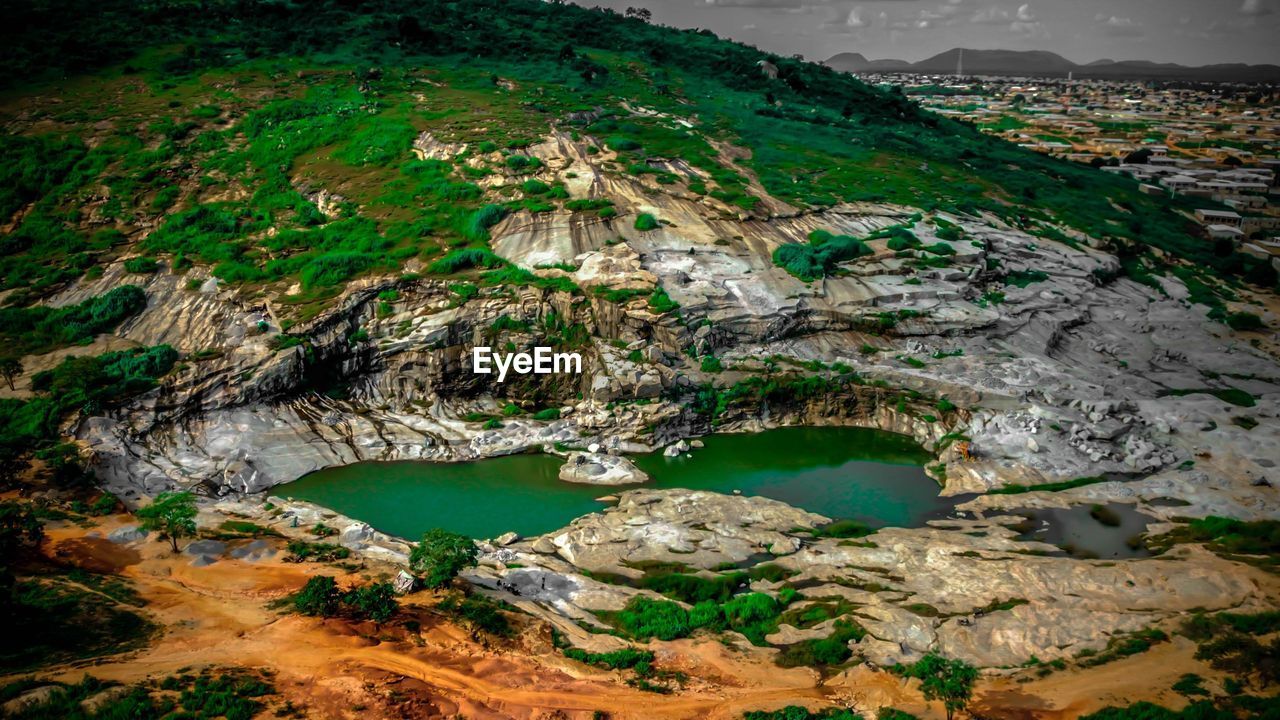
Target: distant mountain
x,y
997,62
1040,63
855,62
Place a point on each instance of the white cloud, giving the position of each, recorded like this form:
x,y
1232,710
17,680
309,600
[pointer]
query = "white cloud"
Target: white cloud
x,y
1120,26
1255,7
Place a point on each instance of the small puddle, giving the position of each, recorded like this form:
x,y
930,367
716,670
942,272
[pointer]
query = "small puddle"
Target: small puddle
x,y
1092,531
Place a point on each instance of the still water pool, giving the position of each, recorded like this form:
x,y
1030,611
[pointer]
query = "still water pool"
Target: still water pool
x,y
868,475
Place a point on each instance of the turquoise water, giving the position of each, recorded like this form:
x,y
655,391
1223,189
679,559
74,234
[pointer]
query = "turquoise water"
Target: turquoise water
x,y
854,473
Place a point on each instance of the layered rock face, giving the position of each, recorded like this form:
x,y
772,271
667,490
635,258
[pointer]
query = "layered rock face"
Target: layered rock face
x,y
1029,353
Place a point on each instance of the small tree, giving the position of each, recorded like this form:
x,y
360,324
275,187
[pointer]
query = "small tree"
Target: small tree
x,y
950,681
10,368
441,556
172,514
319,596
376,601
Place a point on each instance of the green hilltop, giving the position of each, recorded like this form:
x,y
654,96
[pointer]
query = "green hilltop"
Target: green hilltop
x,y
218,115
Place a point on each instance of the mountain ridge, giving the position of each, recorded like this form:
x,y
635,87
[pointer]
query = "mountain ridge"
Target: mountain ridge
x,y
1049,64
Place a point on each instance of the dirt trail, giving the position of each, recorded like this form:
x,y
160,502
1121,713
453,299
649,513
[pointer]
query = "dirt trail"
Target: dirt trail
x,y
218,615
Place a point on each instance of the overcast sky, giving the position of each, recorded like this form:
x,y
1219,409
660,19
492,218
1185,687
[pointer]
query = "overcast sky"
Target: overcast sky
x,y
1194,32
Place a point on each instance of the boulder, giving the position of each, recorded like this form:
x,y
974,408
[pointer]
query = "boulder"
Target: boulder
x,y
597,469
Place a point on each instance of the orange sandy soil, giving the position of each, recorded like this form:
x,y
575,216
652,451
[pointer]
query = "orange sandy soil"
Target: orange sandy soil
x,y
217,616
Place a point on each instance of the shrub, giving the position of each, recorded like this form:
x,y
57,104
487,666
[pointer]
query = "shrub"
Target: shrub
x,y
820,257
376,601
320,552
441,556
319,596
141,265
41,329
646,222
478,612
535,187
1244,321
523,163
465,259
831,650
476,226
644,618
661,303
950,681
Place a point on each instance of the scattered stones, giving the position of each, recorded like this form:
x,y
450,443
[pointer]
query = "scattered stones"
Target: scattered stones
x,y
127,534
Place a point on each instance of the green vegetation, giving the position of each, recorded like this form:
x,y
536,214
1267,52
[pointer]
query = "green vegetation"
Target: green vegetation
x,y
233,694
440,556
820,257
85,384
795,712
58,616
303,551
1235,396
1229,642
831,650
1023,278
950,681
1015,489
1124,645
39,329
141,265
645,222
814,138
478,612
661,303
321,597
1245,322
1257,542
172,515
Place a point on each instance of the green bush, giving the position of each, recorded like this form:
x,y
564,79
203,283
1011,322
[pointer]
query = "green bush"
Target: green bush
x,y
141,265
795,712
661,303
1245,322
466,259
476,227
646,222
441,556
35,330
831,650
820,257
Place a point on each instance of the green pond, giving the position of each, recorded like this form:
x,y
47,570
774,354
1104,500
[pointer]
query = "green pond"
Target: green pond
x,y
852,473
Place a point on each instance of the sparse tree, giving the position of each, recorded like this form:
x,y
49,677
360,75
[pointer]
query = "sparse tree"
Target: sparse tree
x,y
172,514
376,601
639,13
319,596
10,368
950,681
441,556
